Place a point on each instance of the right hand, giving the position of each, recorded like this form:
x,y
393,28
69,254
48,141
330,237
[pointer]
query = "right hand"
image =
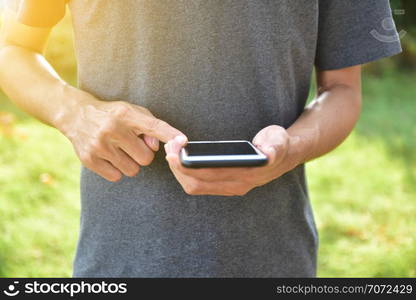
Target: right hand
x,y
115,138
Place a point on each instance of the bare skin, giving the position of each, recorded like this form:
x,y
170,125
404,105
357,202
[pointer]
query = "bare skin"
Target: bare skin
x,y
323,125
112,138
115,138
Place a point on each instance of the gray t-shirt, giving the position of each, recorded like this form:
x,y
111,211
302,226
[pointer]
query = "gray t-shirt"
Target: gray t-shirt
x,y
214,69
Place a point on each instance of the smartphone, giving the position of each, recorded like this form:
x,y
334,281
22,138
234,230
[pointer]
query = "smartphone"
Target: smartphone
x,y
209,154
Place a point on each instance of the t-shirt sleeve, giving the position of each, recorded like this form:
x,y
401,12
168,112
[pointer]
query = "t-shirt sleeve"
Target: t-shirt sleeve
x,y
354,32
12,4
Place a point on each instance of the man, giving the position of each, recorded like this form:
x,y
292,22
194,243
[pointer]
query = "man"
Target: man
x,y
174,71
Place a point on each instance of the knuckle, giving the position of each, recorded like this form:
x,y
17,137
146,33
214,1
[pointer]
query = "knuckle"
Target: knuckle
x,y
121,110
86,159
106,130
282,131
95,147
276,127
145,111
154,124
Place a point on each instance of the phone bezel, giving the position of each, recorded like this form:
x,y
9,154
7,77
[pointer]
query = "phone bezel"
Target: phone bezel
x,y
207,158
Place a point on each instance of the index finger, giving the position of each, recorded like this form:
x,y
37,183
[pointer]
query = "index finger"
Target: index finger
x,y
157,128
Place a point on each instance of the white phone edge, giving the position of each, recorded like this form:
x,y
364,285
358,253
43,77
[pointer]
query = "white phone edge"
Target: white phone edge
x,y
259,154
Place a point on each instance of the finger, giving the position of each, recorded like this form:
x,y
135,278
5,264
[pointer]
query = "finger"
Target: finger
x,y
105,170
260,137
175,145
273,142
172,149
151,142
137,149
270,135
271,153
187,182
123,162
194,186
224,188
155,127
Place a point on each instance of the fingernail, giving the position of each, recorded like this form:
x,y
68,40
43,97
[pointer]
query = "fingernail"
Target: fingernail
x,y
180,139
155,141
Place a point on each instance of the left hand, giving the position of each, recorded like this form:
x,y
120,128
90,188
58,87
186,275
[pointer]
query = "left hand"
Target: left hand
x,y
273,141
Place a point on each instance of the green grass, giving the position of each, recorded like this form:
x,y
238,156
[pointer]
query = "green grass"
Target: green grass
x,y
363,193
39,202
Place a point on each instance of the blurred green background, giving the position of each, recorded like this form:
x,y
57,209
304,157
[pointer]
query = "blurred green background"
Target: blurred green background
x,y
363,193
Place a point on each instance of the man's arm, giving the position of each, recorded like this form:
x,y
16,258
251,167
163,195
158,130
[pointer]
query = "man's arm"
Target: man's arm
x,y
104,133
25,75
323,125
331,117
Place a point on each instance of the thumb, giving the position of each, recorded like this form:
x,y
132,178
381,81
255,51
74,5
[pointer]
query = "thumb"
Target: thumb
x,y
263,137
260,139
270,152
272,140
174,146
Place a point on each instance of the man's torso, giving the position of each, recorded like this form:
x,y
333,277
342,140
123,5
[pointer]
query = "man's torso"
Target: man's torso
x,y
215,70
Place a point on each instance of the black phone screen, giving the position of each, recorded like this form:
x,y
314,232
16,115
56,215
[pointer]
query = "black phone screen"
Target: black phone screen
x,y
220,148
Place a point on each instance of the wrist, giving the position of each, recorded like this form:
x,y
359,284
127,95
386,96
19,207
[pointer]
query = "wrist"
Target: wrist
x,y
73,102
302,144
294,155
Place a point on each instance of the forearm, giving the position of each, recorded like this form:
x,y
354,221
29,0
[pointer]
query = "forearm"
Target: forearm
x,y
32,84
325,123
